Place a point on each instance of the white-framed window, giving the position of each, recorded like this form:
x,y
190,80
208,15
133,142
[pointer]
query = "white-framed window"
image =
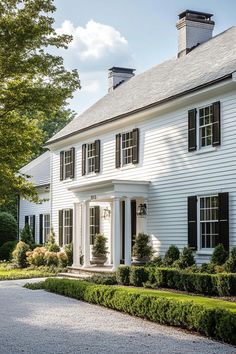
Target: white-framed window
x,y
91,154
208,222
31,222
67,227
46,226
205,122
127,148
67,164
94,222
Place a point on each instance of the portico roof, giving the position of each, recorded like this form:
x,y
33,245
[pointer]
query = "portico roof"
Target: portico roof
x,y
112,188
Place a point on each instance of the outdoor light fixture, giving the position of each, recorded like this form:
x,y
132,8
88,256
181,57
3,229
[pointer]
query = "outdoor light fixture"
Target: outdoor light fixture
x,y
142,210
106,213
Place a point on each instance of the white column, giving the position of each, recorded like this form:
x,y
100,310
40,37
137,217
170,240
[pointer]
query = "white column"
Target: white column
x,y
76,237
127,231
85,230
116,233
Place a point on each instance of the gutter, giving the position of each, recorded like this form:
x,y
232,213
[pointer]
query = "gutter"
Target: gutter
x,y
155,104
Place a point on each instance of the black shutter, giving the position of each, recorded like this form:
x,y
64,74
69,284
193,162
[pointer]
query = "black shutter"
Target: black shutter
x,y
71,226
33,231
83,159
97,156
118,150
60,224
41,229
61,165
216,124
26,219
135,148
224,219
192,222
97,219
192,130
72,171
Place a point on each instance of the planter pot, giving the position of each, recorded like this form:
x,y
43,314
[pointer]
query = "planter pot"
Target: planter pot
x,y
99,260
136,261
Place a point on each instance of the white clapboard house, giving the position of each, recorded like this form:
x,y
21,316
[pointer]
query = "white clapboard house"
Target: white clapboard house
x,y
157,154
37,215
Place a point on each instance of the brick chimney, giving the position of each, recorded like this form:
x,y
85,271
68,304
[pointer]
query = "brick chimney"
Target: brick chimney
x,y
116,76
194,28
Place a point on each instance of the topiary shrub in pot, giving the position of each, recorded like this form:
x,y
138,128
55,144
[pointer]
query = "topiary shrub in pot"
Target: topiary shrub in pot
x,y
8,228
142,250
172,255
219,255
99,251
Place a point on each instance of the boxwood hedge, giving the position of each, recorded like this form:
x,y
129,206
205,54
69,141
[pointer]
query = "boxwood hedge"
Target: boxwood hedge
x,y
214,322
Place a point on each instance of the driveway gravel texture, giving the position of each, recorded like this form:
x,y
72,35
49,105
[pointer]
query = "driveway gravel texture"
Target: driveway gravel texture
x,y
41,322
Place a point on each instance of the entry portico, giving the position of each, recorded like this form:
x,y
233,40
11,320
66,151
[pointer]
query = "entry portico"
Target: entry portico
x,y
118,201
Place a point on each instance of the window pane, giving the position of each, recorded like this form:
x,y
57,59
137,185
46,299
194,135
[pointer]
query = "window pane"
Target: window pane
x,y
209,221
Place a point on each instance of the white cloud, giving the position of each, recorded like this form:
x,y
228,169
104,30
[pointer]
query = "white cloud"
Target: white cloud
x,y
97,46
91,87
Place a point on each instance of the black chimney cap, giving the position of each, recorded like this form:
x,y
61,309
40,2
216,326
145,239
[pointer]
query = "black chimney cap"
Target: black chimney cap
x,y
196,16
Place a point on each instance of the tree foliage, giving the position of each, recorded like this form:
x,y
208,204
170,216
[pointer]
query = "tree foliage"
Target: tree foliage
x,y
34,87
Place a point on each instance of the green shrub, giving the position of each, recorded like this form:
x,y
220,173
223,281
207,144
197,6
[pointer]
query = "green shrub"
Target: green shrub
x,y
138,276
155,261
172,255
207,268
62,259
8,228
26,235
230,264
19,254
50,258
186,259
122,275
51,244
6,250
219,255
103,279
37,256
69,252
214,322
142,250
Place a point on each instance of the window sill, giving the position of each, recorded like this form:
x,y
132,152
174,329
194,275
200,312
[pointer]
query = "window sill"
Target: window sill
x,y
67,180
206,150
128,167
204,253
90,175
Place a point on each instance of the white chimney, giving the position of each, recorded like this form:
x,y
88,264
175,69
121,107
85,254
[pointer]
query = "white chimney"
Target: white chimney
x,y
194,28
116,76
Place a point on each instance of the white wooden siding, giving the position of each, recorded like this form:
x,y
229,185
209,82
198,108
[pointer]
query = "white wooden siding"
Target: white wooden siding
x,y
28,208
174,172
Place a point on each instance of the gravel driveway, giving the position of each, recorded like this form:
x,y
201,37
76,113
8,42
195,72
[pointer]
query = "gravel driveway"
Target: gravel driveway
x,y
40,322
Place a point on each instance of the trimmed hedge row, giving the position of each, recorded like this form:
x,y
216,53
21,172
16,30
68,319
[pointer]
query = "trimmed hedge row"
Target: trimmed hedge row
x,y
222,284
213,322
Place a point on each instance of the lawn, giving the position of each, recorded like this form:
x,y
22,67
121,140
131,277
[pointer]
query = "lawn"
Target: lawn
x,y
25,273
200,300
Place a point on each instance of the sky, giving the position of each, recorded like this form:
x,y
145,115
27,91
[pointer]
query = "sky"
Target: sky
x,y
127,33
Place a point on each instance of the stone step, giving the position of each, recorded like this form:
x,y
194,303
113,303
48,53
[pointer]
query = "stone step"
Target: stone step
x,y
91,271
74,275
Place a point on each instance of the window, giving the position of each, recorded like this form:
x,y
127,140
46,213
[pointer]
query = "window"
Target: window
x,y
31,222
91,153
65,226
94,222
91,158
208,222
67,164
127,147
46,226
205,126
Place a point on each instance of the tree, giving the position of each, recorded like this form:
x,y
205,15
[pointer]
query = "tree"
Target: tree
x,y
8,228
34,88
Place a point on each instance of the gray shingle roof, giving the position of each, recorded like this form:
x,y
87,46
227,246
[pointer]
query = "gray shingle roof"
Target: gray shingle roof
x,y
208,62
38,170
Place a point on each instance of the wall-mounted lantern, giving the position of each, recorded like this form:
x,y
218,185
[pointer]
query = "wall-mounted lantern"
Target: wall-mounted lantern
x,y
142,210
106,213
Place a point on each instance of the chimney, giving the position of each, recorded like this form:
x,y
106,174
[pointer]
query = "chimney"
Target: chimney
x,y
116,76
194,28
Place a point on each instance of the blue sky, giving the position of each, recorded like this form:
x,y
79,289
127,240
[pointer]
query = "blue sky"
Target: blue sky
x,y
129,33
